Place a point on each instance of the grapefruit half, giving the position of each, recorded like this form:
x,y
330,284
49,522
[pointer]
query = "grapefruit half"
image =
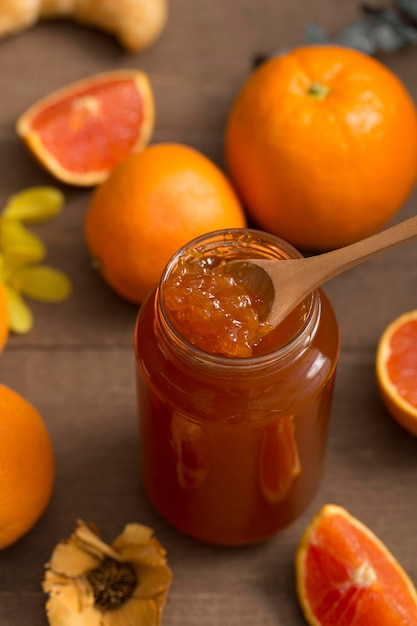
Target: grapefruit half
x,y
80,132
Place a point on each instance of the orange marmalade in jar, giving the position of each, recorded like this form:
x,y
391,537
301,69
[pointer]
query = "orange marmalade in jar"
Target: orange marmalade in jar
x,y
233,413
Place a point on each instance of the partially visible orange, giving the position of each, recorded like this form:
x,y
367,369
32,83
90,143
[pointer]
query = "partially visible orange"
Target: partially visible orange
x,y
347,577
79,133
152,204
396,369
4,317
26,466
321,144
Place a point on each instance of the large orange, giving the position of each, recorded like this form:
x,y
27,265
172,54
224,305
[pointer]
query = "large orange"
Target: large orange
x,y
81,131
396,369
26,466
347,577
321,144
152,204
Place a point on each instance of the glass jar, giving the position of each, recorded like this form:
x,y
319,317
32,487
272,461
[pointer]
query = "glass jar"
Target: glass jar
x,y
231,449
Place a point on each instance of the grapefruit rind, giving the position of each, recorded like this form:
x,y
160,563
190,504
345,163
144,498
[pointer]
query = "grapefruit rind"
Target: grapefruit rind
x,y
401,410
24,125
333,510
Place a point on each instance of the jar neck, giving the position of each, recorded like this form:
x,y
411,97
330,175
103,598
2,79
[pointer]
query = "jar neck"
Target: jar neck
x,y
279,358
237,243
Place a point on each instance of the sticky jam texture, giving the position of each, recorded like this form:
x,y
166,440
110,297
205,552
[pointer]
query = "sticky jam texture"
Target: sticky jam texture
x,y
213,311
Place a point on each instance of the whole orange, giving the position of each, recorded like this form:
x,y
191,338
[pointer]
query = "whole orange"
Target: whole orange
x,y
4,317
153,203
26,466
321,144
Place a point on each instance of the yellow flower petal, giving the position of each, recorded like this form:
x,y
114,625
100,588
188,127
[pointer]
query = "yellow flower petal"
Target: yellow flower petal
x,y
19,245
71,560
74,593
133,534
42,283
34,205
20,316
90,541
59,614
136,612
137,544
153,580
160,600
148,554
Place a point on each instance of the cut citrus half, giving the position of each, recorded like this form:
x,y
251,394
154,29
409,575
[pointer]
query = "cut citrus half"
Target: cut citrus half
x,y
79,133
347,577
396,369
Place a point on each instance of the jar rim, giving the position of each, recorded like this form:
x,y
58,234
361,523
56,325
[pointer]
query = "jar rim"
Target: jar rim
x,y
265,242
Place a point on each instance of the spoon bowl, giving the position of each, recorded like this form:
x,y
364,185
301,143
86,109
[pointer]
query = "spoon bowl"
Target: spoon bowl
x,y
282,284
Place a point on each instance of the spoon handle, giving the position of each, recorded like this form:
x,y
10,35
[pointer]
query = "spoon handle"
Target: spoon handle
x,y
331,264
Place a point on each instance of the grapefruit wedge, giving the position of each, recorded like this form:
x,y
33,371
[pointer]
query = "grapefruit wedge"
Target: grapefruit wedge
x,y
347,577
79,133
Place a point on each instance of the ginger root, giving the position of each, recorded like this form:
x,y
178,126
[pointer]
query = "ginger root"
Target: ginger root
x,y
135,23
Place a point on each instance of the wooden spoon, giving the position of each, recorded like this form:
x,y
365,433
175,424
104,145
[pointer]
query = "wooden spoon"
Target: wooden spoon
x,y
284,283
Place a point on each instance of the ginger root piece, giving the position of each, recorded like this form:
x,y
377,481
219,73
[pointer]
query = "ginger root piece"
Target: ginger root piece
x,y
16,15
135,23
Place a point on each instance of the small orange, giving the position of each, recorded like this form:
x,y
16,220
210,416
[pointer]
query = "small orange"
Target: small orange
x,y
396,369
153,203
321,144
4,317
347,577
26,466
81,131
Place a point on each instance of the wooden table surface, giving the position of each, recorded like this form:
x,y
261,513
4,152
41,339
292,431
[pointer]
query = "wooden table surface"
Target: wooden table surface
x,y
77,365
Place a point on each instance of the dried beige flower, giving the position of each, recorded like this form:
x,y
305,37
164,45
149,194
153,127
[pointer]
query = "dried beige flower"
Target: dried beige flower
x,y
93,584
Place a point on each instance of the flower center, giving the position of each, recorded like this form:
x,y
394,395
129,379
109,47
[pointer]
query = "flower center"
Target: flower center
x,y
113,583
